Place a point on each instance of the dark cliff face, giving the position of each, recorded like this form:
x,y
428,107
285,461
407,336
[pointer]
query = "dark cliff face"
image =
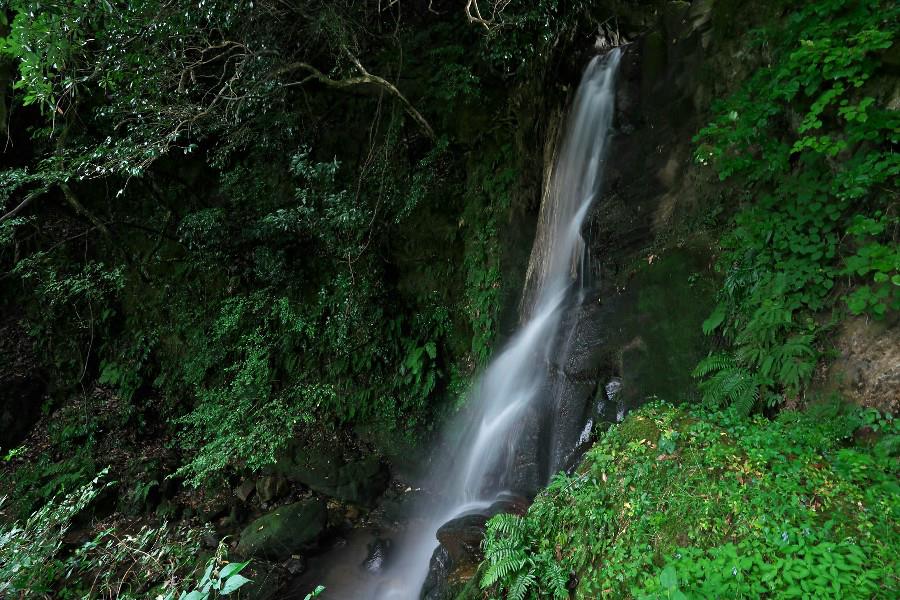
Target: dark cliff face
x,y
639,322
652,183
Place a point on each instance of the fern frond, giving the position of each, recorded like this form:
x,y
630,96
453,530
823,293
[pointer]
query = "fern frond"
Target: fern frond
x,y
521,584
711,364
501,570
556,580
734,387
508,525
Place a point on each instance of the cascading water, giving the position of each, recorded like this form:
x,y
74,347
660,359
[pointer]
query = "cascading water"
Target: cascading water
x,y
516,398
484,465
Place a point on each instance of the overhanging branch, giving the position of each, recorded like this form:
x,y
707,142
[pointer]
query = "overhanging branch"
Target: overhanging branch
x,y
365,78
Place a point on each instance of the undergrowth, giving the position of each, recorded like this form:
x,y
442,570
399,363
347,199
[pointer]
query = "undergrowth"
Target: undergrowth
x,y
38,561
689,503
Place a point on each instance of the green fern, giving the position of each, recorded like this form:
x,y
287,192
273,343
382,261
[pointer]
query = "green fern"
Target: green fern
x,y
712,364
502,569
524,581
513,565
555,578
766,363
508,525
728,384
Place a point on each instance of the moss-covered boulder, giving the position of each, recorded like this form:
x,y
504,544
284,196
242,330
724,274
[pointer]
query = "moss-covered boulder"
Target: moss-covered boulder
x,y
284,531
329,471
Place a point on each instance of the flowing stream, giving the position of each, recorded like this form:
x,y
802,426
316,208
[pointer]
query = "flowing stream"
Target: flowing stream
x,y
502,446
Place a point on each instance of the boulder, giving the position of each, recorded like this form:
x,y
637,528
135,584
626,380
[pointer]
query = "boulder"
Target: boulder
x,y
271,487
327,471
461,537
245,490
509,503
437,586
284,531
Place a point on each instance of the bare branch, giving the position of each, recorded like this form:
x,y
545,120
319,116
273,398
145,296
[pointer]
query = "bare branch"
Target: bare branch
x,y
473,13
365,78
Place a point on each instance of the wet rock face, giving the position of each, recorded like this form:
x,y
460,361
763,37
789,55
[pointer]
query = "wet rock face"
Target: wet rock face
x,y
437,584
284,531
528,463
640,317
651,181
461,537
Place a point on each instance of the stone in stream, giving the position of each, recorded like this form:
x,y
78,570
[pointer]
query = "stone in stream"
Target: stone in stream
x,y
284,531
461,537
378,552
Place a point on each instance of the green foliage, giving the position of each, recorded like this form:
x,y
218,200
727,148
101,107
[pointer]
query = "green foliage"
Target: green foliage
x,y
879,259
216,230
75,299
28,550
304,341
809,138
721,506
43,479
519,34
315,593
217,580
508,562
154,561
486,203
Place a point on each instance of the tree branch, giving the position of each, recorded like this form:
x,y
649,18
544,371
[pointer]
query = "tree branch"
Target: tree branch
x,y
365,78
24,204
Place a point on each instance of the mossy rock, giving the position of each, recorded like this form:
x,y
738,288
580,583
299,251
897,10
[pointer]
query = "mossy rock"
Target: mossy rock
x,y
284,531
662,337
637,427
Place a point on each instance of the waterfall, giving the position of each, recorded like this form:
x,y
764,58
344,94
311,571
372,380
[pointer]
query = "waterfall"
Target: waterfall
x,y
502,438
492,446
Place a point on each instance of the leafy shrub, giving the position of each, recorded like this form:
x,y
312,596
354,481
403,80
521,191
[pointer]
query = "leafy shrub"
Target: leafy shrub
x,y
28,550
509,562
807,140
